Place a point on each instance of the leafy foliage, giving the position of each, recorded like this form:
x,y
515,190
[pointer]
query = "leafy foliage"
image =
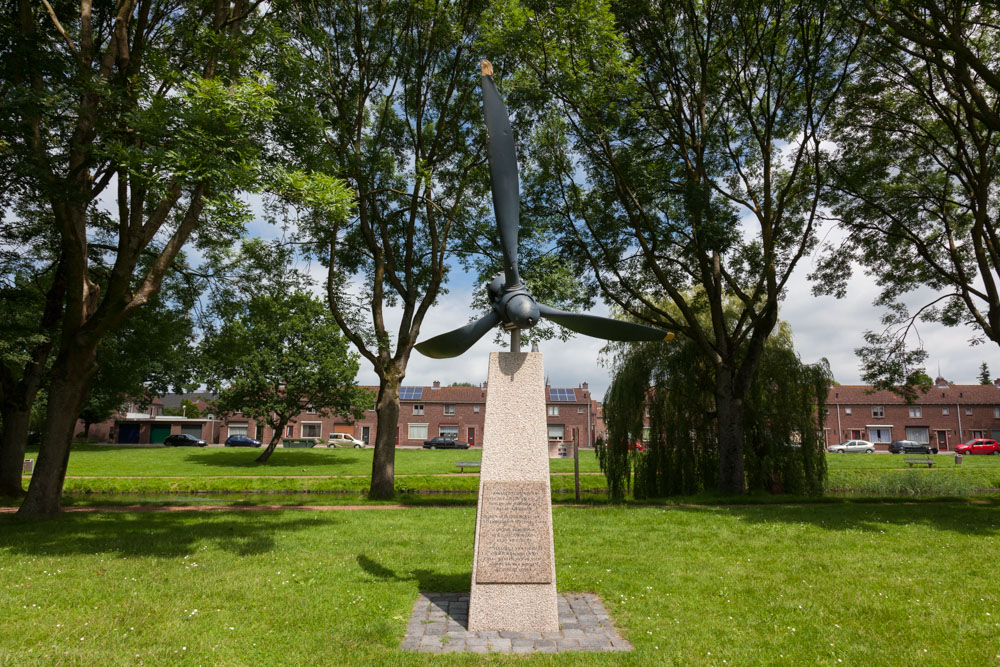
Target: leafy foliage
x,y
671,389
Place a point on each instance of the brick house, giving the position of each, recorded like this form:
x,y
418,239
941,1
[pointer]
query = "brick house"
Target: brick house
x,y
944,416
425,412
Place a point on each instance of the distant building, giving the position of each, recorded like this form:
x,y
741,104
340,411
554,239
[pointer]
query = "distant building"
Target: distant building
x,y
942,417
425,412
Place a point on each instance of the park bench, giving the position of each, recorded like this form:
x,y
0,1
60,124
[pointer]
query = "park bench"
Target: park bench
x,y
462,465
927,462
299,442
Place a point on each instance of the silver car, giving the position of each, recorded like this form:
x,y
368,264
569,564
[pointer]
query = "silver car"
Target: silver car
x,y
853,446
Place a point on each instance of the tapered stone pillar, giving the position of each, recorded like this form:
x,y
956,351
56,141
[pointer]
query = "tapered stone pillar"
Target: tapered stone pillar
x,y
513,570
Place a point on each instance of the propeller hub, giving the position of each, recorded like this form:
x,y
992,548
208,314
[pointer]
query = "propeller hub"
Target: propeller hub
x,y
519,308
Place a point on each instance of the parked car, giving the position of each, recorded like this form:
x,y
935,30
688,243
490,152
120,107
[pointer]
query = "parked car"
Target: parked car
x,y
978,446
344,440
911,447
853,446
241,441
183,440
441,442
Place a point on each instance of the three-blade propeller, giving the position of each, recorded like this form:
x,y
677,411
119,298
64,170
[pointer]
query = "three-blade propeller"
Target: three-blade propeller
x,y
512,304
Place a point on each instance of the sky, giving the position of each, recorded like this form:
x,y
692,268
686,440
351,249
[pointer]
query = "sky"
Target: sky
x,y
822,327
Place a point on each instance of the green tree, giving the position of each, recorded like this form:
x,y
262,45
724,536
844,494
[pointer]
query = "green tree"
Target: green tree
x,y
672,388
395,93
917,173
984,374
682,145
153,106
275,354
187,408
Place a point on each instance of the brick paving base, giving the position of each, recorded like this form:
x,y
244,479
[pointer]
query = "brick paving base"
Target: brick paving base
x,y
438,625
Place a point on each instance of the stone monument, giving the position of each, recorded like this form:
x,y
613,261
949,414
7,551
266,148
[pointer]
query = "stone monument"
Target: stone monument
x,y
513,571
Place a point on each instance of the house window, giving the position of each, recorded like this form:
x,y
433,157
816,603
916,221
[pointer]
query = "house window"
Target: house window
x,y
996,414
450,432
919,434
418,410
289,431
847,411
475,408
916,412
449,409
645,433
968,411
312,430
556,431
945,411
879,434
878,411
417,432
579,410
311,409
979,434
553,411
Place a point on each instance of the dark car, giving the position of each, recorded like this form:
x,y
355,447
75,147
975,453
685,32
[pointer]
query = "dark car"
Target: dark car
x,y
910,447
441,442
241,441
183,440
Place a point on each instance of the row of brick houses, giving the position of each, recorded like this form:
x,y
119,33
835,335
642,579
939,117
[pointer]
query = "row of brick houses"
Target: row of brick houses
x,y
455,412
944,416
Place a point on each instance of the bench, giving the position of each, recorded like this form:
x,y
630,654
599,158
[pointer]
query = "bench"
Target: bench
x,y
462,465
920,462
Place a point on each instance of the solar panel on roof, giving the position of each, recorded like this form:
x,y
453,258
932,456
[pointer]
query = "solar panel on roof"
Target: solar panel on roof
x,y
410,393
561,395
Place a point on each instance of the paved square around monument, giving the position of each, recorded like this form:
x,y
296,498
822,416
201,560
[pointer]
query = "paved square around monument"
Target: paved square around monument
x,y
439,620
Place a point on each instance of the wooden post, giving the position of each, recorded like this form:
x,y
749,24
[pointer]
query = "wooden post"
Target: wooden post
x,y
576,461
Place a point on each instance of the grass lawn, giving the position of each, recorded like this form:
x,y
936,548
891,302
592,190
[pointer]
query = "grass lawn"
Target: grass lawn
x,y
887,475
122,460
817,584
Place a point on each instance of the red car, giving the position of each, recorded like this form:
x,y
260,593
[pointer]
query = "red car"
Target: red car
x,y
978,446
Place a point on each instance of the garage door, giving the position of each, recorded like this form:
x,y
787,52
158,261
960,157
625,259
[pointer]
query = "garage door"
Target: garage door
x,y
192,430
159,433
128,433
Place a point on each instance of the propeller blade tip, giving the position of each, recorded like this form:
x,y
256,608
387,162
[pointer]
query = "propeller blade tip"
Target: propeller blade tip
x,y
486,66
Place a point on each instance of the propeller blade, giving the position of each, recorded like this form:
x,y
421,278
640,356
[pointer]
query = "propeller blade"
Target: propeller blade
x,y
456,342
603,327
503,173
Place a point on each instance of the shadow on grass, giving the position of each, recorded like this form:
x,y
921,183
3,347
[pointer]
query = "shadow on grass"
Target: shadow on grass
x,y
958,516
244,459
168,535
427,580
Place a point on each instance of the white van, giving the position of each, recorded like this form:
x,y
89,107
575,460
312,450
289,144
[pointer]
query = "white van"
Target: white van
x,y
344,440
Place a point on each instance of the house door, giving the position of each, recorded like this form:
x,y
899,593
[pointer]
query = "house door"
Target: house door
x,y
472,436
942,440
366,434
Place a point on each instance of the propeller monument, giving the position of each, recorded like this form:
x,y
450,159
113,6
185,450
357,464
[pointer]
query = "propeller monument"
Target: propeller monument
x,y
512,305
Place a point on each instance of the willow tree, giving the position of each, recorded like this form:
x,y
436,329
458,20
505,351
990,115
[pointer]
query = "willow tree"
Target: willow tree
x,y
665,394
682,145
384,99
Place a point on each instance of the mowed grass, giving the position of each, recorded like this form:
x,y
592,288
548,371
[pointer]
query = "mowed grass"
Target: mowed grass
x,y
887,475
818,584
125,461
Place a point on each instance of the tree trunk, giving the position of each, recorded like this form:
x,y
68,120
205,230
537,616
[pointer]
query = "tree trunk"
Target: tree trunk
x,y
732,480
383,484
72,375
13,436
271,446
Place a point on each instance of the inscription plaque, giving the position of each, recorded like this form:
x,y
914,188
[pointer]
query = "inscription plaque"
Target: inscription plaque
x,y
514,534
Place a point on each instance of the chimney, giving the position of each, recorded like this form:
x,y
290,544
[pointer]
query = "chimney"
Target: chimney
x,y
996,383
437,385
940,382
586,386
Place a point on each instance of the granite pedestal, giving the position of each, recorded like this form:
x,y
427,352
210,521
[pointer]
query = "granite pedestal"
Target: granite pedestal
x,y
513,570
